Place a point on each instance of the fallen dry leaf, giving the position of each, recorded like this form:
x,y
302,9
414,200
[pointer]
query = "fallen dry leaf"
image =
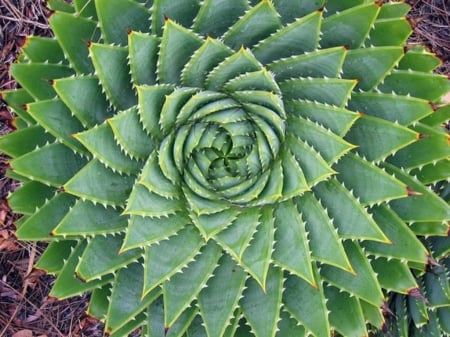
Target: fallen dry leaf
x,y
23,333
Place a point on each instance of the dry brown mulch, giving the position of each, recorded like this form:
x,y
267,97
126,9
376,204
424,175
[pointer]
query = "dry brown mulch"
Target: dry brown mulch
x,y
26,310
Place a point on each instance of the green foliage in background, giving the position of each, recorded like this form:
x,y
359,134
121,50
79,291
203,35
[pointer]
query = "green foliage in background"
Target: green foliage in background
x,y
236,168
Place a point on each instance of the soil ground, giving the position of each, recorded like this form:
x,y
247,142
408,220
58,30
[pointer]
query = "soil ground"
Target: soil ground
x,y
26,310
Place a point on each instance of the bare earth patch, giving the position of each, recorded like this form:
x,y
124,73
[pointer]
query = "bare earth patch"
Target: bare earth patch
x,y
26,310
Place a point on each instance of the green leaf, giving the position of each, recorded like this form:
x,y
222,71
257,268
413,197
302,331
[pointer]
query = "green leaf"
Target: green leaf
x,y
307,305
145,231
432,173
337,6
330,146
201,104
381,33
338,120
176,48
91,110
219,299
350,218
98,305
40,49
67,285
36,78
313,166
102,256
170,256
55,255
393,10
209,55
373,314
153,178
305,33
362,282
74,33
259,80
318,63
394,275
320,229
291,244
425,205
404,243
181,12
126,300
172,105
369,183
439,117
151,100
131,326
197,328
262,307
290,11
418,310
237,236
156,326
183,287
143,49
97,183
402,109
437,287
216,16
288,326
20,142
418,154
86,8
257,23
144,202
332,91
130,135
263,98
117,17
17,100
51,164
111,67
60,5
201,206
237,64
257,256
370,65
87,218
350,27
29,197
346,314
419,59
377,138
101,143
211,224
415,83
55,117
425,228
294,182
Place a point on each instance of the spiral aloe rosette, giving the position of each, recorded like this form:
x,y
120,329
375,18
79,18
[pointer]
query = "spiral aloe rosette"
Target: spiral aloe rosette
x,y
230,168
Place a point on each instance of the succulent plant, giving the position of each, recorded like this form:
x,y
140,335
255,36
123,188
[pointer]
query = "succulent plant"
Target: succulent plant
x,y
231,168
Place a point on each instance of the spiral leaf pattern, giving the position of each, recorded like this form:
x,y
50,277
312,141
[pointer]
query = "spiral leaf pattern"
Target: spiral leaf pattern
x,y
230,168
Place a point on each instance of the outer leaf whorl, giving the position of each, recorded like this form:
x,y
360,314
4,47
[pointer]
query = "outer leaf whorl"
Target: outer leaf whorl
x,y
233,168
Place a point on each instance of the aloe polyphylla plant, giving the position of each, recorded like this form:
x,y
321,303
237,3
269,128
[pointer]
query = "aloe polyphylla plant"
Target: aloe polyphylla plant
x,y
232,168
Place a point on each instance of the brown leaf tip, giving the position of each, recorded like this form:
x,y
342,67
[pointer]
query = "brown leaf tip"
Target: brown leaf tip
x,y
410,192
416,293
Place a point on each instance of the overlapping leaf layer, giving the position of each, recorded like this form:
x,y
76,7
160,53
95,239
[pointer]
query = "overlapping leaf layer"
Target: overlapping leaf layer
x,y
232,168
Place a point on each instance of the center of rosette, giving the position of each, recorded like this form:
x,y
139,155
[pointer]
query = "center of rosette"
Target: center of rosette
x,y
223,145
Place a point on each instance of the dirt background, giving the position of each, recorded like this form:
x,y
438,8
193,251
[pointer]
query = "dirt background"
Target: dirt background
x,y
26,310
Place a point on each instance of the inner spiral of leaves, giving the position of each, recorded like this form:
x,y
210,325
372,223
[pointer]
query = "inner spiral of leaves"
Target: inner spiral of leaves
x,y
224,147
